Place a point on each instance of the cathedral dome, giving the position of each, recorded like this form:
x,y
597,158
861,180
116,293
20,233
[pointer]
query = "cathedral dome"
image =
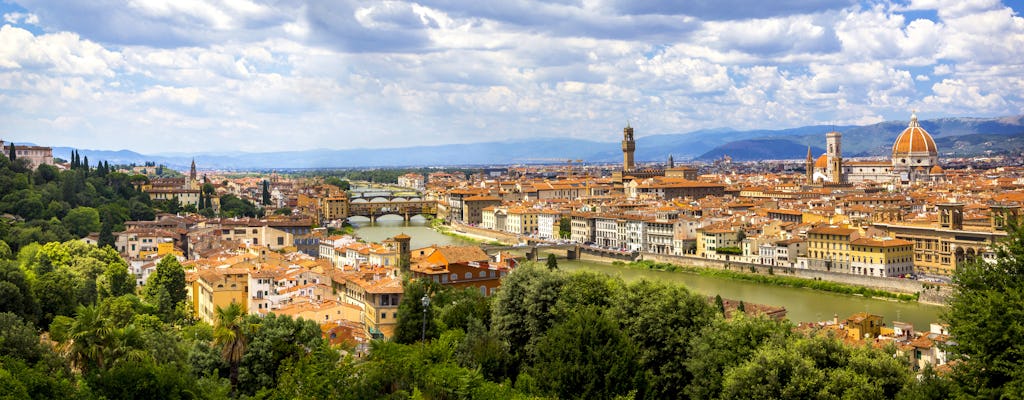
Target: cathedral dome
x,y
914,141
822,162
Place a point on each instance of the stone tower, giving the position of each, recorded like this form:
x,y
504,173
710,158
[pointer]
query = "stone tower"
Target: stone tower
x,y
671,162
834,156
810,166
628,147
951,216
192,174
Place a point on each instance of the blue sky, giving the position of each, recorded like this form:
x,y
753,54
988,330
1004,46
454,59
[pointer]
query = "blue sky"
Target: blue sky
x,y
250,75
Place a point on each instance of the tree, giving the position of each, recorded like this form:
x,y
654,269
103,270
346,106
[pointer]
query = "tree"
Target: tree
x,y
18,339
266,193
106,235
984,316
720,304
742,308
14,153
565,228
523,309
16,295
585,357
412,314
726,344
274,340
81,221
230,334
165,289
662,319
552,262
115,281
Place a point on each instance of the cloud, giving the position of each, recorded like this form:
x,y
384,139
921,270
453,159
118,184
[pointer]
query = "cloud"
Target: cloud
x,y
17,18
237,74
727,9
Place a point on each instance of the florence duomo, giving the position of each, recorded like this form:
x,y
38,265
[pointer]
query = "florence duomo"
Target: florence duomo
x,y
914,158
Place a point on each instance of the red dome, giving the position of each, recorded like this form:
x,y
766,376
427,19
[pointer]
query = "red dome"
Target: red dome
x,y
914,141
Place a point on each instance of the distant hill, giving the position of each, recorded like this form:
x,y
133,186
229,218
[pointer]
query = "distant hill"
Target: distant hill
x,y
761,149
877,139
951,135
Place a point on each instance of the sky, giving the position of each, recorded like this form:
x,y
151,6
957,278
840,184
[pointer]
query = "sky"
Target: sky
x,y
218,76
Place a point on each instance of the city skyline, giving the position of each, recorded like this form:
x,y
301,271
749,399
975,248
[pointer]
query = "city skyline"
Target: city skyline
x,y
242,76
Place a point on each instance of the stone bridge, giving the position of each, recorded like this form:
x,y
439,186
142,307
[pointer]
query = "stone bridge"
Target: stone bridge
x,y
406,207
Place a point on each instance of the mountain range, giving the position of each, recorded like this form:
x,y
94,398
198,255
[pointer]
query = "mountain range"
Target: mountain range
x,y
953,136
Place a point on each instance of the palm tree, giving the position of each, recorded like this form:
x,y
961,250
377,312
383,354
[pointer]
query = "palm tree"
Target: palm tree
x,y
230,334
82,338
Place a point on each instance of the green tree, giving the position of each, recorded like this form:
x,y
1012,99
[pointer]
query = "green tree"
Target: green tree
x,y
774,373
274,340
984,316
726,344
106,233
81,221
585,357
412,314
18,339
662,319
231,334
523,309
552,262
720,304
266,193
115,281
165,289
13,155
16,292
565,228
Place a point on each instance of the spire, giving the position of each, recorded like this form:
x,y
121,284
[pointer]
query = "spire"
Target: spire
x,y
809,158
192,173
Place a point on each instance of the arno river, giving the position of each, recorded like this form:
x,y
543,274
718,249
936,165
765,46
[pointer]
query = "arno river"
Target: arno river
x,y
802,305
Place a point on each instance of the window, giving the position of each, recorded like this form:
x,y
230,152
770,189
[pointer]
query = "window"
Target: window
x,y
280,241
383,315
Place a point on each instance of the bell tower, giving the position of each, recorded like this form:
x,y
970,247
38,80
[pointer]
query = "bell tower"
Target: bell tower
x,y
628,147
834,155
810,166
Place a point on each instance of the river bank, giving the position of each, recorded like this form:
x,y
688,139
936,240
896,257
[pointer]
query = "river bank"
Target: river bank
x,y
870,287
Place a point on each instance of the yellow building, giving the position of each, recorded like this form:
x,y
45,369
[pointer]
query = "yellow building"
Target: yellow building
x,y
940,247
376,291
521,220
218,287
321,312
829,248
710,239
334,207
862,326
881,257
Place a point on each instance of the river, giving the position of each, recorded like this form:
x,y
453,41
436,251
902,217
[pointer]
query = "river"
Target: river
x,y
802,305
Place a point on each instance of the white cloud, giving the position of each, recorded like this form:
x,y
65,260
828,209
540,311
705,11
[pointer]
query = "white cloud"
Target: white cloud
x,y
236,73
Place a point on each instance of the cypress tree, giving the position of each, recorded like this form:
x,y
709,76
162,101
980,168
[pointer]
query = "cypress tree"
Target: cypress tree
x,y
14,154
201,203
106,236
85,164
